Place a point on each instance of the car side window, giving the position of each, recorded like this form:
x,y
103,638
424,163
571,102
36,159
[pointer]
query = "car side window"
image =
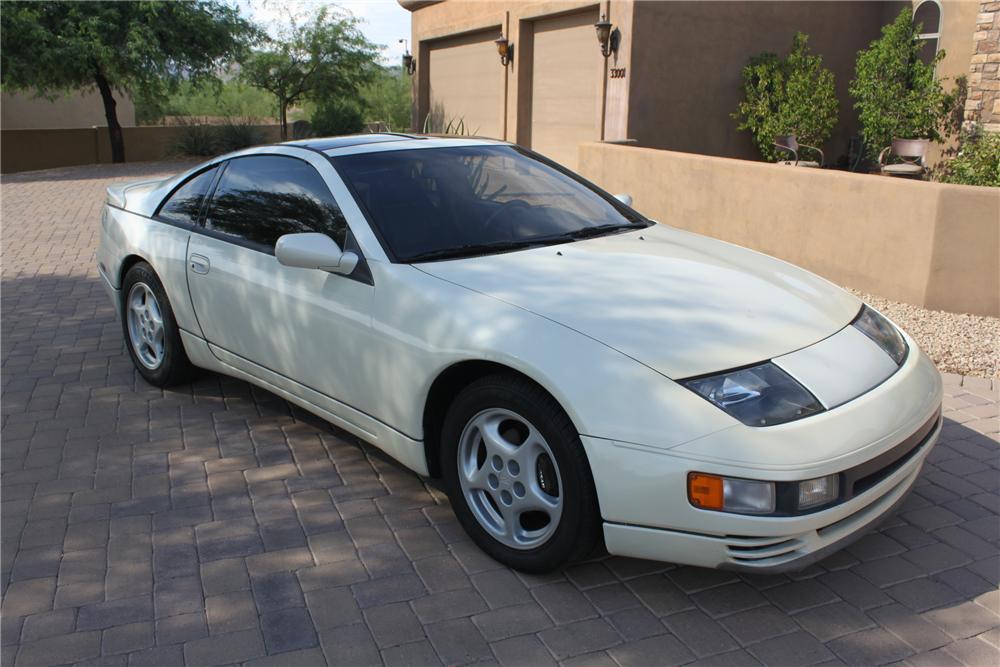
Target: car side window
x,y
262,197
184,205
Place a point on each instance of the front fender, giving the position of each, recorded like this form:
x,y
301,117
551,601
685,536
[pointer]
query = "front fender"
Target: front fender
x,y
427,325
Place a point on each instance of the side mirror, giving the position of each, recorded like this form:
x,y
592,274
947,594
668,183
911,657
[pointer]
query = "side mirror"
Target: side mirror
x,y
310,250
624,198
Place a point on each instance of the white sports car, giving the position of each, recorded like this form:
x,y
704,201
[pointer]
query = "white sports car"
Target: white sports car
x,y
571,370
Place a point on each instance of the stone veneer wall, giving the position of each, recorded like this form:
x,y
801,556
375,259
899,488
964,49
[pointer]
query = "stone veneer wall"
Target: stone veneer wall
x,y
983,103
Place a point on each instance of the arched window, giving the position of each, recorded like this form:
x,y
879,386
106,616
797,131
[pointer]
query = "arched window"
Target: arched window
x,y
928,15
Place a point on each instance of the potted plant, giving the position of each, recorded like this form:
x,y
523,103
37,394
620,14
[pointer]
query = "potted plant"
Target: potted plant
x,y
896,93
787,97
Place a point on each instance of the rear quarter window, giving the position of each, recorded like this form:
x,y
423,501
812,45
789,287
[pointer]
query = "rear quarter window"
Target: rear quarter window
x,y
183,207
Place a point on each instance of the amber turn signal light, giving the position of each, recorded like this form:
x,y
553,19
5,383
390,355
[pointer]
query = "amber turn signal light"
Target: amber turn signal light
x,y
705,491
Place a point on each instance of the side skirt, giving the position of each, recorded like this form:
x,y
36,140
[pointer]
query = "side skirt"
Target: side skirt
x,y
401,447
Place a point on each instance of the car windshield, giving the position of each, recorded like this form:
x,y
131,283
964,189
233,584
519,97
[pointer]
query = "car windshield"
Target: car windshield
x,y
442,203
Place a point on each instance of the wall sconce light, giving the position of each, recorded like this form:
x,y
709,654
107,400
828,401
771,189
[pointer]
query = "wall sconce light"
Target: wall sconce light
x,y
409,65
607,37
505,49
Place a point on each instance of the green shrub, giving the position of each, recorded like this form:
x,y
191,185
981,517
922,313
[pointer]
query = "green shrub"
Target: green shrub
x,y
232,98
977,161
196,140
896,93
334,117
236,133
791,95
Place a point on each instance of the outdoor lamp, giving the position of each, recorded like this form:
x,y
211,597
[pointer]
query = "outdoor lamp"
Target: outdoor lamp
x,y
409,66
505,49
607,39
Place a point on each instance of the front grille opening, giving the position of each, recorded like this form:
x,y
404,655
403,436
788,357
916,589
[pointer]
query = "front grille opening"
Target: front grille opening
x,y
759,550
868,481
741,549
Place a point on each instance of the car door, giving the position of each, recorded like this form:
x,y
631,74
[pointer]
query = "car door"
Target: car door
x,y
260,316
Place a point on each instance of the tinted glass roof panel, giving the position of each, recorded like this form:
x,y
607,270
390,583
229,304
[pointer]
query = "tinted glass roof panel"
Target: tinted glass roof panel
x,y
330,143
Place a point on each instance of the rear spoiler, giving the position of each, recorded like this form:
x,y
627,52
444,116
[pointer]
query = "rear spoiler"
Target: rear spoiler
x,y
118,195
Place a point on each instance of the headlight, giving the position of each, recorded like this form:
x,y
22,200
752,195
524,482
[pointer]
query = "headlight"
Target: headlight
x,y
819,491
872,324
763,395
742,496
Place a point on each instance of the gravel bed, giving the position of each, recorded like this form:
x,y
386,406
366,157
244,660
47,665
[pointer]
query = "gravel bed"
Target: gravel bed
x,y
958,343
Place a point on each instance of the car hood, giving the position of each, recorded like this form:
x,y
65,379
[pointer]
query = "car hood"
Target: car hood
x,y
680,303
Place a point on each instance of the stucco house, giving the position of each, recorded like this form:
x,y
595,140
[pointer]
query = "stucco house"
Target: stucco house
x,y
672,76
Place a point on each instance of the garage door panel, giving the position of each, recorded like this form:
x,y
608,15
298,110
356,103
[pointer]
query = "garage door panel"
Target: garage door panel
x,y
466,84
566,77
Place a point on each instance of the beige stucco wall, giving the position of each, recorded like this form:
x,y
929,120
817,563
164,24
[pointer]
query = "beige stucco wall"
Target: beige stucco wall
x,y
958,23
24,111
25,150
929,244
687,66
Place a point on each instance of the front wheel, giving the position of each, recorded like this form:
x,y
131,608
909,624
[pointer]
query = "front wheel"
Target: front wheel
x,y
517,475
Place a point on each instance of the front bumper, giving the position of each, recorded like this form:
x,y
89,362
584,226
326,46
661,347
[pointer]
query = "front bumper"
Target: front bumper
x,y
643,490
821,534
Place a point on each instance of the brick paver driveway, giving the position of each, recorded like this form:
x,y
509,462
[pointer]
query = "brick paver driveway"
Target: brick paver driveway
x,y
214,523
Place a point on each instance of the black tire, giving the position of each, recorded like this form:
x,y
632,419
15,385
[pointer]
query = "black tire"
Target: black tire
x,y
579,525
174,367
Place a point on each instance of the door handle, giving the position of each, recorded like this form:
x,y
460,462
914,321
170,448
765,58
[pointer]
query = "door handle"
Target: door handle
x,y
199,264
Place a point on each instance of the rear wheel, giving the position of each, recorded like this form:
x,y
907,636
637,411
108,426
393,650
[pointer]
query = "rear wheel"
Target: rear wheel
x,y
150,331
517,476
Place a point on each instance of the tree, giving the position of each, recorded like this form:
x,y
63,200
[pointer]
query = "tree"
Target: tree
x,y
143,47
896,93
794,95
337,116
321,59
387,98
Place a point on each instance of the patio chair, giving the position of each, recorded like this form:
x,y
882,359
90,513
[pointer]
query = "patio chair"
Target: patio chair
x,y
911,154
789,144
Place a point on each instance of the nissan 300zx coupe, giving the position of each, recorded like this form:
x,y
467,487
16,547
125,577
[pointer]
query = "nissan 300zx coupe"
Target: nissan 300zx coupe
x,y
576,375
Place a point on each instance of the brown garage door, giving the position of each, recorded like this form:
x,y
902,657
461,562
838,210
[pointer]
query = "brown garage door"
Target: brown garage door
x,y
565,85
466,83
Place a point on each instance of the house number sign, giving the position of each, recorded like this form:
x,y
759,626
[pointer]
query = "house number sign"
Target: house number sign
x,y
617,73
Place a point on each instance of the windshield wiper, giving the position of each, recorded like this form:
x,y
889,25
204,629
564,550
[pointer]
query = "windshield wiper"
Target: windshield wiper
x,y
473,249
470,249
599,230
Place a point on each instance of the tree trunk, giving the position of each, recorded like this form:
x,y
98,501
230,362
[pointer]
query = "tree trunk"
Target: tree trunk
x,y
111,114
283,118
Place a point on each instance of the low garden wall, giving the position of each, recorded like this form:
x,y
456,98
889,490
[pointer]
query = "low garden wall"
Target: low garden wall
x,y
25,150
929,244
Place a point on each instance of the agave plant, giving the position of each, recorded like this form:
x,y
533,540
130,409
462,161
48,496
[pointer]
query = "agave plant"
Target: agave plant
x,y
455,126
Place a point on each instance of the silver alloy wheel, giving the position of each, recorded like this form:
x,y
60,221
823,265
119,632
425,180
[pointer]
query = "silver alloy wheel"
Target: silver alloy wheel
x,y
145,325
510,478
